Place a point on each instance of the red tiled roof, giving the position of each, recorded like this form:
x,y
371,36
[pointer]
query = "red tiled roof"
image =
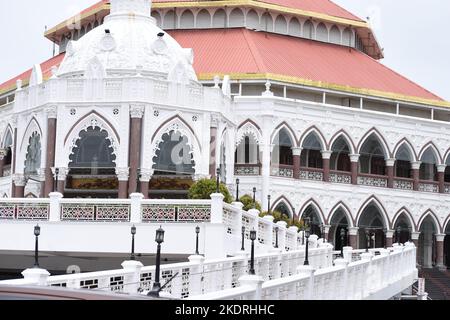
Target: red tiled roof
x,y
242,51
25,77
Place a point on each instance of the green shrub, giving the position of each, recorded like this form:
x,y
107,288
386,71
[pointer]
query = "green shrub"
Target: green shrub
x,y
278,216
203,189
247,201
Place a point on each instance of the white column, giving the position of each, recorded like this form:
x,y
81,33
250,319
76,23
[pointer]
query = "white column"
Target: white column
x,y
132,281
135,210
55,208
217,208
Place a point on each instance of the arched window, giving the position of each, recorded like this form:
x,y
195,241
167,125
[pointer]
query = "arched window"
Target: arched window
x,y
295,29
335,35
187,20
372,159
281,24
314,220
322,33
347,38
219,19
428,168
447,171
311,156
174,156
426,249
282,152
266,23
248,151
403,225
338,223
169,20
372,221
403,160
33,156
283,209
203,19
340,159
308,30
7,161
236,18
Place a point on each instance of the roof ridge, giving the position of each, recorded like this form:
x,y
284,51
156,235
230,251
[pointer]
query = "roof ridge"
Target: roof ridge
x,y
253,50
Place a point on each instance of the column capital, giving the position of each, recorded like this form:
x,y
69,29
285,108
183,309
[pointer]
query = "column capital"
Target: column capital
x,y
297,151
146,175
441,167
416,165
19,180
353,231
440,237
41,174
326,155
415,235
62,173
390,162
354,157
52,112
137,111
123,174
389,233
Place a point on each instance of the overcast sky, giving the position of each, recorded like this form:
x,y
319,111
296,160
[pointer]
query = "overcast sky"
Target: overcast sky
x,y
413,33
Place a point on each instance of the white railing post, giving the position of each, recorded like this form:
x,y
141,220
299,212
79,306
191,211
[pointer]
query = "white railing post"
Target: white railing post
x,y
256,283
135,211
309,272
196,275
368,280
132,281
343,294
282,225
270,227
238,222
217,208
36,275
294,233
55,206
347,251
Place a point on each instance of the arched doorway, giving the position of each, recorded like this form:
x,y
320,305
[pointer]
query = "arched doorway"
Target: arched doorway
x,y
403,225
173,166
340,158
92,167
247,159
427,243
311,156
313,215
371,222
403,159
282,156
372,157
338,223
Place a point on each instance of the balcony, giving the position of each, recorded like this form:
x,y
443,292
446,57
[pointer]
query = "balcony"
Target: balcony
x,y
372,180
247,169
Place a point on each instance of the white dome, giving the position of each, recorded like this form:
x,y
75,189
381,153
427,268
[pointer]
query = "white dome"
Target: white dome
x,y
128,42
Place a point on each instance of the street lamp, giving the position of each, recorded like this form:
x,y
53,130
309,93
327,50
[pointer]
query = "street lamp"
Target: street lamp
x,y
243,239
307,234
342,242
218,180
276,237
197,232
268,204
252,258
55,186
237,190
37,233
254,198
157,285
367,240
399,229
133,233
138,182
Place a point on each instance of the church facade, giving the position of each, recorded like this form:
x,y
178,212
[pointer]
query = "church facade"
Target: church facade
x,y
287,96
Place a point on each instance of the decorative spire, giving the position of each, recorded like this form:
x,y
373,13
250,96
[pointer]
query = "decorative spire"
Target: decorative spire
x,y
131,7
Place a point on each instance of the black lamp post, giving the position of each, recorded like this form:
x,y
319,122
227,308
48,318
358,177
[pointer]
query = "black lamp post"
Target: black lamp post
x,y
252,258
197,232
157,285
138,182
399,230
37,232
342,242
307,234
243,239
254,198
268,203
133,233
218,180
276,237
55,186
237,190
367,240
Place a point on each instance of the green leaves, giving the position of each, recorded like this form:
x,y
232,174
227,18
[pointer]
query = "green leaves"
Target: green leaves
x,y
203,189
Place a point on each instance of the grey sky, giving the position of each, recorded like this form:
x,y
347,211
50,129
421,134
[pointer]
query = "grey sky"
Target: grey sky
x,y
413,33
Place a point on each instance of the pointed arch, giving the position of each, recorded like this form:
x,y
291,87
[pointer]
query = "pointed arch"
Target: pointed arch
x,y
446,225
447,157
345,209
187,19
342,133
313,203
405,142
287,127
8,131
435,150
283,199
380,138
405,212
317,132
434,218
248,127
33,126
373,200
236,18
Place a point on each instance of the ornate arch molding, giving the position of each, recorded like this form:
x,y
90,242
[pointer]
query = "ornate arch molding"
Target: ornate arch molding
x,y
317,132
177,124
32,127
347,212
5,134
407,214
434,218
342,133
373,200
381,139
408,145
288,204
446,225
316,206
91,120
288,128
247,128
435,150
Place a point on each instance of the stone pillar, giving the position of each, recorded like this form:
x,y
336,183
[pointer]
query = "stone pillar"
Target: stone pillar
x,y
51,145
212,147
42,177
136,114
3,153
296,152
389,239
326,155
415,240
19,185
354,159
13,160
146,176
123,177
326,232
62,176
390,172
441,175
353,237
415,166
440,251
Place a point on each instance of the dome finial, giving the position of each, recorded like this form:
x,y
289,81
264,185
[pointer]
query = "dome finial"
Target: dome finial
x,y
131,7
